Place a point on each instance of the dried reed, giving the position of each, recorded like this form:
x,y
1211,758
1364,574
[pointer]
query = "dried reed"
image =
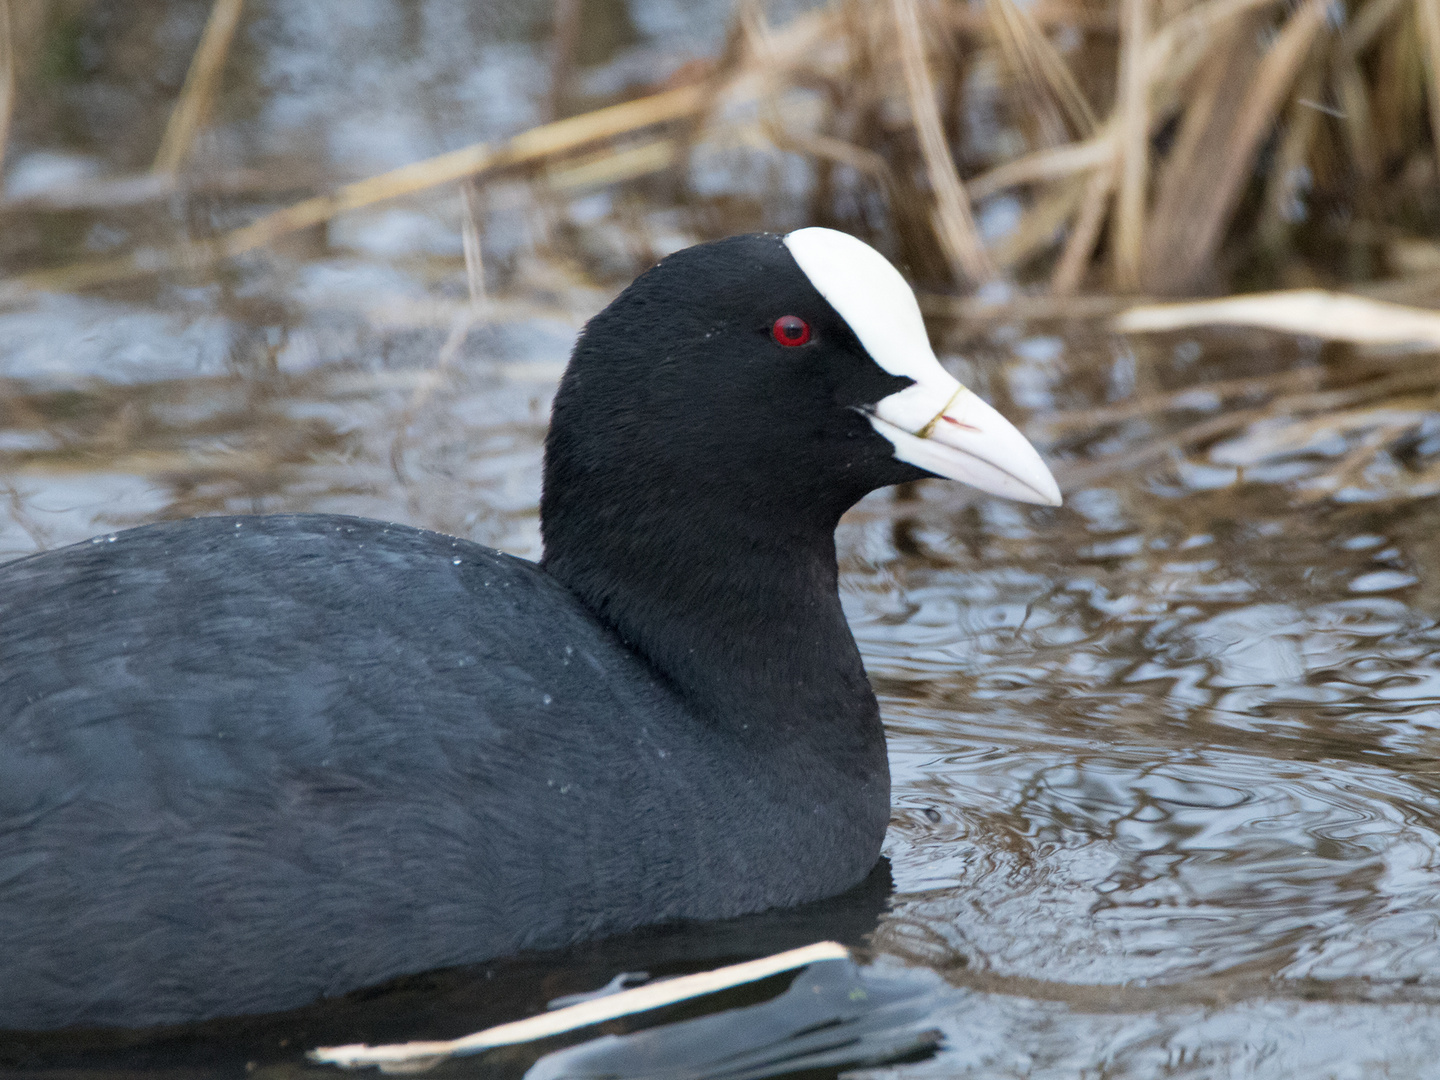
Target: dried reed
x,y
1159,148
954,226
201,83
1209,135
7,76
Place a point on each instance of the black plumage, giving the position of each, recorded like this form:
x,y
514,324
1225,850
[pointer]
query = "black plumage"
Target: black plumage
x,y
245,762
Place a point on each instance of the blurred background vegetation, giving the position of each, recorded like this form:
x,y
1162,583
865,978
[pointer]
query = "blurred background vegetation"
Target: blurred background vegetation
x,y
266,196
1135,146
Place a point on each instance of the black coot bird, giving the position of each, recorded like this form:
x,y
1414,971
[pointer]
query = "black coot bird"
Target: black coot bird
x,y
248,762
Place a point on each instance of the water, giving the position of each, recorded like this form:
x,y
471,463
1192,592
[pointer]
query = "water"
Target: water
x,y
1166,783
1173,790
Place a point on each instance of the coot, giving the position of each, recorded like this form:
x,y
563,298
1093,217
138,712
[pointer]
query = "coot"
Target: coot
x,y
246,762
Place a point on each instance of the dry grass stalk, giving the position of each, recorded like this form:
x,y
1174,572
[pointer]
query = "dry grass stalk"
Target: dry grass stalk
x,y
136,189
1153,450
1381,413
1045,14
565,41
1187,178
1179,47
462,322
471,215
1217,148
1276,74
7,76
1037,229
774,128
416,1057
607,167
197,95
1161,62
979,312
528,147
1421,377
1207,395
1133,109
954,224
430,381
1080,245
1052,163
1039,66
1372,443
1223,121
1357,123
1313,312
1283,186
1427,14
1368,23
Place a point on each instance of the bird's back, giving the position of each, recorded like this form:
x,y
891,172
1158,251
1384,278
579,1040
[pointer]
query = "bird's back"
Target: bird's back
x,y
248,761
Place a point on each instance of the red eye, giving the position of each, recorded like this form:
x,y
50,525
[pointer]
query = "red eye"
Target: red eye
x,y
790,330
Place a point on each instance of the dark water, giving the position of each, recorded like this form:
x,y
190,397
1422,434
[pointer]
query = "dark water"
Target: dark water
x,y
1167,789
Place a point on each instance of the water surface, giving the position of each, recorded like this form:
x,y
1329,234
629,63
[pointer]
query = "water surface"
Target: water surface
x,y
1165,759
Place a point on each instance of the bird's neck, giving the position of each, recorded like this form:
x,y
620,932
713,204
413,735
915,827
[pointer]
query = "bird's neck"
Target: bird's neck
x,y
737,607
744,620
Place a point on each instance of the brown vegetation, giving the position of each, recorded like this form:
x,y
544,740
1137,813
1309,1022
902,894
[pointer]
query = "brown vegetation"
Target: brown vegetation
x,y
1154,146
1136,148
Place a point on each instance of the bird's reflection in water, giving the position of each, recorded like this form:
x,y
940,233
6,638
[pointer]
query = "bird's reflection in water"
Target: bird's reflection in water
x,y
454,1002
